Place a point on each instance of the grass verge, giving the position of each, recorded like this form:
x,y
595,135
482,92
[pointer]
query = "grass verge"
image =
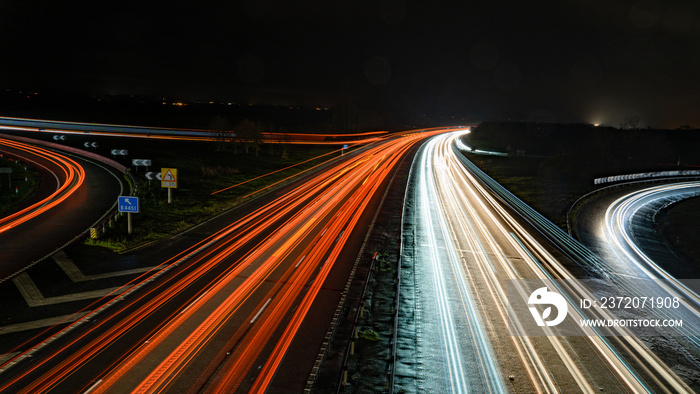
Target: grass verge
x,y
202,170
552,196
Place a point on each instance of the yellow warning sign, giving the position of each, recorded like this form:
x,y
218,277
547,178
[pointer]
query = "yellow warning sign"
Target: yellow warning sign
x,y
168,177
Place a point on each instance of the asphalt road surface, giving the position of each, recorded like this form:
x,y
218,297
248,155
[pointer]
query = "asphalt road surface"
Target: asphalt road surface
x,y
73,194
475,250
243,309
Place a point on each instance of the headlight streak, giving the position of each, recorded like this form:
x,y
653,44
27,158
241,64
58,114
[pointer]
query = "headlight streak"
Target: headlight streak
x,y
619,234
619,215
589,262
541,378
339,193
541,263
653,368
456,380
455,344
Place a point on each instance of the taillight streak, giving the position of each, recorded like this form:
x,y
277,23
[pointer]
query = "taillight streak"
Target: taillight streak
x,y
73,177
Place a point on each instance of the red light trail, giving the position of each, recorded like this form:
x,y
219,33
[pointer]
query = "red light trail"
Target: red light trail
x,y
72,177
237,302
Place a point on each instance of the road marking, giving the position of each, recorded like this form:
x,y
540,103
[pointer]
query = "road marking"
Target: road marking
x,y
41,323
194,302
7,356
257,315
33,295
94,386
284,248
74,273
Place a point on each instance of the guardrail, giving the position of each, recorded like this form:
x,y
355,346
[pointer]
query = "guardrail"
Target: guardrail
x,y
650,181
645,175
108,218
111,215
395,339
354,333
62,126
108,221
578,253
91,155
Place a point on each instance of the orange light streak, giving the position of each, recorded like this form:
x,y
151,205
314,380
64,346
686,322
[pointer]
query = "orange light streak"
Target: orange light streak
x,y
267,372
73,176
187,349
274,172
191,134
318,216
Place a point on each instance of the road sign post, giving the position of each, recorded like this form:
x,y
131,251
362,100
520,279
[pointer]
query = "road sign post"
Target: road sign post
x,y
168,179
151,176
141,162
129,205
120,152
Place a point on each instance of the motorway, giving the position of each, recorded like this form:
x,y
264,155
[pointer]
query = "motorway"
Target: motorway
x,y
48,220
245,308
223,314
618,224
473,248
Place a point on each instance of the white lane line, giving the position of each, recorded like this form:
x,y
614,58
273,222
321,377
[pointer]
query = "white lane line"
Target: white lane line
x,y
94,386
257,315
194,302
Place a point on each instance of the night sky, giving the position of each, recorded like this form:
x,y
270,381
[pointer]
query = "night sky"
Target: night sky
x,y
557,60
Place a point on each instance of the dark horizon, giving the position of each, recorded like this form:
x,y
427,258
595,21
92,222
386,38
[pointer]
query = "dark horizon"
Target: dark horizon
x,y
583,61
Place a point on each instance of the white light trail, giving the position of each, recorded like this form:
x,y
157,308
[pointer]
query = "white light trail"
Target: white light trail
x,y
453,297
468,244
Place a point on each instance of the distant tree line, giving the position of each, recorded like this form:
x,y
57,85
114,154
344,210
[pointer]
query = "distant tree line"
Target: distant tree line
x,y
161,112
582,150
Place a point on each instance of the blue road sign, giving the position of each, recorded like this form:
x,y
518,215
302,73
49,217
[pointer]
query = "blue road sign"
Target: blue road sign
x,y
128,204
